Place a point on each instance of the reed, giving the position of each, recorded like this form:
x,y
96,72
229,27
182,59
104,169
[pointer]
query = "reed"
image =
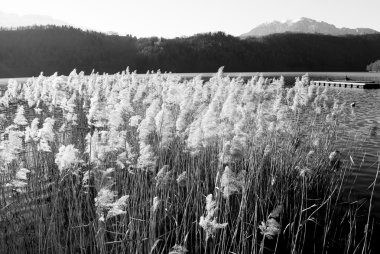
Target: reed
x,y
164,165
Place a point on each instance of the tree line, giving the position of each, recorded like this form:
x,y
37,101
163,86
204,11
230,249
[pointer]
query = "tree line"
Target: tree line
x,y
30,50
375,66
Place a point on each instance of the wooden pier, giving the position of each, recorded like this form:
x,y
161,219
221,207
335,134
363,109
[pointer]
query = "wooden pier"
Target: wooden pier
x,y
347,84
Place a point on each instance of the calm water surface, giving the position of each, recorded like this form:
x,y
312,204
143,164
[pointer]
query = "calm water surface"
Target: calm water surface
x,y
360,138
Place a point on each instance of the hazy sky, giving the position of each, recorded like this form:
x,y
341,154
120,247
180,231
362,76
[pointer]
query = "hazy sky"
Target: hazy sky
x,y
171,18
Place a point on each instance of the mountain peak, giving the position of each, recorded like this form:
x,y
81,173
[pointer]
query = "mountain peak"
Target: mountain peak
x,y
304,25
11,20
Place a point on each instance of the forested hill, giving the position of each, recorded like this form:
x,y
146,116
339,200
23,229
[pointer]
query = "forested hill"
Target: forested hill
x,y
29,51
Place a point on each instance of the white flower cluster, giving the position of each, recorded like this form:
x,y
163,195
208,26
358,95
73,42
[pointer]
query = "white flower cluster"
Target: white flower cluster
x,y
107,206
139,116
67,157
208,222
178,249
130,120
163,177
20,181
231,182
271,227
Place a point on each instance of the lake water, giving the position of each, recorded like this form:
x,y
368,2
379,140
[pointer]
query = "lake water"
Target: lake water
x,y
359,136
361,140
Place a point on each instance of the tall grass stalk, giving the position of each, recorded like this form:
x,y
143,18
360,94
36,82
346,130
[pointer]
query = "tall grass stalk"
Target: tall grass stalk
x,y
165,165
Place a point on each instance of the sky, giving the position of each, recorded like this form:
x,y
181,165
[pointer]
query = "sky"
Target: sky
x,y
176,18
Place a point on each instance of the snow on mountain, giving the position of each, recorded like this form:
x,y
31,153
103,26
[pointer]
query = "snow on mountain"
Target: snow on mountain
x,y
304,25
13,20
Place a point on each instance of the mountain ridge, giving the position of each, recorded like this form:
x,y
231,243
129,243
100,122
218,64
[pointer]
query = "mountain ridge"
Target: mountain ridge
x,y
10,20
304,25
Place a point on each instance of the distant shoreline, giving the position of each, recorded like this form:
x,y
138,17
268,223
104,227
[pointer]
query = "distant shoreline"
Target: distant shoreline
x,y
374,76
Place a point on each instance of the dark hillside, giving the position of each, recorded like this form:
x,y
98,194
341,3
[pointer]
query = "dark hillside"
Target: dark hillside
x,y
28,51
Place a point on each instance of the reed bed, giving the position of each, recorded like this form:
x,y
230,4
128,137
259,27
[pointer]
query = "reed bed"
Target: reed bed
x,y
157,164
